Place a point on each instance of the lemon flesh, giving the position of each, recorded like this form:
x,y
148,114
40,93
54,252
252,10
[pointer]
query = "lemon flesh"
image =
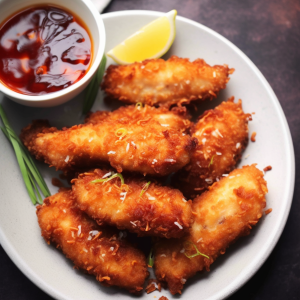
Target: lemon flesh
x,y
151,41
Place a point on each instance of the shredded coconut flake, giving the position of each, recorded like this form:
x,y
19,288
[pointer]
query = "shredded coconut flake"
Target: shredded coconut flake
x,y
133,223
123,196
72,233
85,250
79,230
90,139
225,175
209,180
177,224
111,248
163,255
170,160
231,176
111,152
238,145
183,281
203,141
184,200
106,175
218,132
64,211
218,153
103,254
67,158
133,144
214,74
199,240
198,164
154,161
187,82
182,250
127,147
165,125
142,67
92,233
150,197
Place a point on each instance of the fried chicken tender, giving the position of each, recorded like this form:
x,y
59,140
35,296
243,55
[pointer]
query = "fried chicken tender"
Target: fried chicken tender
x,y
160,82
145,208
91,248
133,141
177,118
223,214
223,135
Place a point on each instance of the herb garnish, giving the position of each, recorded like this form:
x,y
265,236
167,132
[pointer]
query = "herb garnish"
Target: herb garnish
x,y
145,187
189,243
32,177
139,105
211,161
151,258
93,87
110,178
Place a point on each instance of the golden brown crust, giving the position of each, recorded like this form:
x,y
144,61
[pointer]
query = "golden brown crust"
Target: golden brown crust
x,y
223,214
94,249
161,82
222,134
153,143
158,211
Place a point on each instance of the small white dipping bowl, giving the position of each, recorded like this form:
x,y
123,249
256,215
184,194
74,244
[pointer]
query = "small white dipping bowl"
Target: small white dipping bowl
x,y
92,19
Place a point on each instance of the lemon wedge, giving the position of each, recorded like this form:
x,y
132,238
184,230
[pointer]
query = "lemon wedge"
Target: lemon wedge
x,y
151,41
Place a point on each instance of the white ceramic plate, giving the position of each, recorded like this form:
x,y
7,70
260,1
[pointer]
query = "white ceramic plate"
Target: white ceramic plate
x,y
51,271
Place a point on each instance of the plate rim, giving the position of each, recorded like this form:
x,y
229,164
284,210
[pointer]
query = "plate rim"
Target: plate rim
x,y
289,192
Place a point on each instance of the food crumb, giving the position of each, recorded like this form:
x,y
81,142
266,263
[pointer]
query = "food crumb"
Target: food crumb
x,y
268,168
153,285
253,135
163,298
268,211
56,182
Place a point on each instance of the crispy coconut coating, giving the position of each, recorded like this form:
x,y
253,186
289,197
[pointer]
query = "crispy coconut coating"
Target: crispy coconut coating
x,y
91,248
135,141
136,205
177,118
222,134
160,82
224,213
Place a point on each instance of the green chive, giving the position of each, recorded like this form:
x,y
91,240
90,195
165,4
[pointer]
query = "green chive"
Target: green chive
x,y
110,178
93,87
211,161
197,251
151,258
32,177
145,188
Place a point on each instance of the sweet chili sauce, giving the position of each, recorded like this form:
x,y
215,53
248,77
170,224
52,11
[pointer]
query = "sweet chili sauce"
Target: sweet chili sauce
x,y
43,49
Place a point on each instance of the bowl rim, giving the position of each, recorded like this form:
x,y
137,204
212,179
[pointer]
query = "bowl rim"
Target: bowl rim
x,y
85,79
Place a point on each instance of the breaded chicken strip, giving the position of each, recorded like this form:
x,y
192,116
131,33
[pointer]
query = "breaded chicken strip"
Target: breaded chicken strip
x,y
145,208
223,135
223,214
177,118
135,141
161,82
91,248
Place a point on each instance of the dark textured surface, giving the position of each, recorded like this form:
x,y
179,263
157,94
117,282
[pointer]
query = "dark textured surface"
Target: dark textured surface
x,y
268,32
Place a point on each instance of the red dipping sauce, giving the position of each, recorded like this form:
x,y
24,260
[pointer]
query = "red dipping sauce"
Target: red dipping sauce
x,y
43,49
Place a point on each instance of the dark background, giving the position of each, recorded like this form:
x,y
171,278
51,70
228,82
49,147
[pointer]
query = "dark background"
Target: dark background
x,y
268,32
